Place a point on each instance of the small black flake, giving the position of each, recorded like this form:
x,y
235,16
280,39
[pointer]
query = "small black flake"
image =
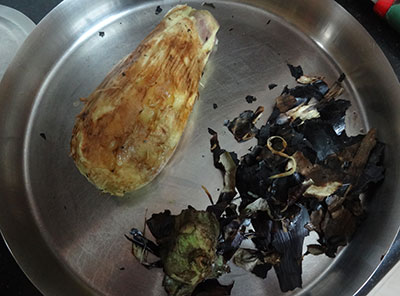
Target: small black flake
x,y
341,77
122,268
208,4
251,99
268,22
231,29
211,131
101,34
295,71
43,135
65,207
123,74
215,106
272,85
158,10
202,156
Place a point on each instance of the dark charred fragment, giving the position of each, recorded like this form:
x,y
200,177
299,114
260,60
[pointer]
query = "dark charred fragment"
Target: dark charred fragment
x,y
233,235
250,99
373,172
334,112
253,180
43,135
290,245
295,193
215,149
295,71
342,77
336,89
215,106
261,270
139,240
219,208
272,85
263,134
243,127
161,225
361,157
255,261
285,90
280,187
295,140
274,115
285,102
101,34
315,250
227,163
262,225
354,205
211,287
323,138
337,227
158,10
209,4
316,90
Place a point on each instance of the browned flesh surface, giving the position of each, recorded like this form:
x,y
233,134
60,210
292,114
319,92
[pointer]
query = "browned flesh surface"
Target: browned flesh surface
x,y
132,122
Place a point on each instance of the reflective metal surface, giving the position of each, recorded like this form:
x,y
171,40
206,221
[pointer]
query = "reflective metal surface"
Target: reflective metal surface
x,y
68,237
14,28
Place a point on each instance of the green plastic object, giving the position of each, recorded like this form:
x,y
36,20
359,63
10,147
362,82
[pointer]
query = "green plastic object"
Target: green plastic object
x,y
393,17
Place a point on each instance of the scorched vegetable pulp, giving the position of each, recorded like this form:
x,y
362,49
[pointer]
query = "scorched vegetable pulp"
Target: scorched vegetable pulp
x,y
132,122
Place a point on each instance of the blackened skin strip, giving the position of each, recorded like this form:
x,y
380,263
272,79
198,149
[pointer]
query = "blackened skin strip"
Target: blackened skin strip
x,y
361,157
161,225
215,149
290,245
139,240
211,287
336,89
295,71
224,162
242,127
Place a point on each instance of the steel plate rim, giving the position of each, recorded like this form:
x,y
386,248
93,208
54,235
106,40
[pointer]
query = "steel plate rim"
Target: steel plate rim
x,y
59,9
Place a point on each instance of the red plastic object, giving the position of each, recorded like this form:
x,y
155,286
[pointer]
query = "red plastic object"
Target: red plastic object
x,y
382,6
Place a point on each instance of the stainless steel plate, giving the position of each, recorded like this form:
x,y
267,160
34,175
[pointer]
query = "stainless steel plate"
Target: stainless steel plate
x,y
69,238
14,28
